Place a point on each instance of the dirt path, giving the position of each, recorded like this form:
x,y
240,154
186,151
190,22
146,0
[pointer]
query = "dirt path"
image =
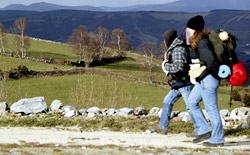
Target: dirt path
x,y
21,139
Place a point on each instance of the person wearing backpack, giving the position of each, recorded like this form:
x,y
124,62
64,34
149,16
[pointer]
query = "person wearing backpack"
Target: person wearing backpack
x,y
207,83
176,64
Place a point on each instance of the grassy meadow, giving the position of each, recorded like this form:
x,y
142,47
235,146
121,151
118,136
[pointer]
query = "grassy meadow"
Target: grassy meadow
x,y
84,91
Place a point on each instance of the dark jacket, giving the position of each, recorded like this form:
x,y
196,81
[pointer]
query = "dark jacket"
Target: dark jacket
x,y
178,66
207,58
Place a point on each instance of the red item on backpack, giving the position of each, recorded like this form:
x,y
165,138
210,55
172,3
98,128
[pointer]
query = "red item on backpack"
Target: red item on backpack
x,y
239,74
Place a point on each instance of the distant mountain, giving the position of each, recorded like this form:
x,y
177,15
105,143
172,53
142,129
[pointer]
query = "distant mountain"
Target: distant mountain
x,y
49,7
197,6
132,8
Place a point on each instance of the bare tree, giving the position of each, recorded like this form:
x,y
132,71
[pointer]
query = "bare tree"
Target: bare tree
x,y
120,40
148,50
20,26
2,30
83,44
79,40
102,38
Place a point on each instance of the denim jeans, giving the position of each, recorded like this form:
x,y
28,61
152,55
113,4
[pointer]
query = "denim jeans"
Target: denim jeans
x,y
168,104
206,90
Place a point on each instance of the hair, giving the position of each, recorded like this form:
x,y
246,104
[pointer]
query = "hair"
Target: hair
x,y
169,37
198,35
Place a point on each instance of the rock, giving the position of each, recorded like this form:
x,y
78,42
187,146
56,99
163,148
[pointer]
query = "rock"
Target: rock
x,y
159,113
228,119
235,114
56,105
244,115
181,114
104,110
222,120
125,111
94,110
67,108
140,111
71,113
148,131
154,111
4,106
92,114
187,118
30,106
245,126
174,114
3,112
110,112
224,112
82,111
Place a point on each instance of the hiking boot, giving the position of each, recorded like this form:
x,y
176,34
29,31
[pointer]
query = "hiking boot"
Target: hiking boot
x,y
212,145
192,134
157,129
202,137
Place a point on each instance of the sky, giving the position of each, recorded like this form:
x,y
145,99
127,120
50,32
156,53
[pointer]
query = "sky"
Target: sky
x,y
110,3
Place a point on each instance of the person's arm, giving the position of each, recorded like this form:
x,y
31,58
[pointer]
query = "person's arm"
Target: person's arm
x,y
178,60
208,56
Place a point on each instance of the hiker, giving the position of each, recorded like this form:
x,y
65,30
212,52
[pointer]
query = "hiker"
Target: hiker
x,y
176,64
207,83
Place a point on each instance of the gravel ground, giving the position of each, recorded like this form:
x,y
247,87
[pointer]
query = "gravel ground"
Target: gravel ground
x,y
15,140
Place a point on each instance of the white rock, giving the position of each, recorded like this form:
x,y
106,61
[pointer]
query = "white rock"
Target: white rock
x,y
94,110
56,105
30,106
92,115
181,114
125,111
235,114
4,106
154,111
148,131
245,126
224,112
67,108
187,118
71,113
159,113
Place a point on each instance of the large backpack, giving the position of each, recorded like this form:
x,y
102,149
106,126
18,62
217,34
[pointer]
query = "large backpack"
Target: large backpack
x,y
224,46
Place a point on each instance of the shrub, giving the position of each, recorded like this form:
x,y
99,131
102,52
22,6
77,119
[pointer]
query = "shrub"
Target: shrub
x,y
236,96
246,100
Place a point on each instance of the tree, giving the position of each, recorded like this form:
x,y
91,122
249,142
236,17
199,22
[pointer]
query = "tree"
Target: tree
x,y
120,40
83,44
20,26
102,37
148,50
2,30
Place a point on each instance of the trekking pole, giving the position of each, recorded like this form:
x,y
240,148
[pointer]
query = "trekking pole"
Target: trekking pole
x,y
231,97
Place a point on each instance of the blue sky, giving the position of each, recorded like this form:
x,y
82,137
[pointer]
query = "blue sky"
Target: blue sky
x,y
111,3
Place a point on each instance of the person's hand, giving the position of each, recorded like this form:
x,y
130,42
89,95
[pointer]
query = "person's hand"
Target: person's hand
x,y
166,57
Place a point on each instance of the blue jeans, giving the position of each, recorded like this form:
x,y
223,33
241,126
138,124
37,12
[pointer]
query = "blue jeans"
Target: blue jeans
x,y
206,90
168,104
